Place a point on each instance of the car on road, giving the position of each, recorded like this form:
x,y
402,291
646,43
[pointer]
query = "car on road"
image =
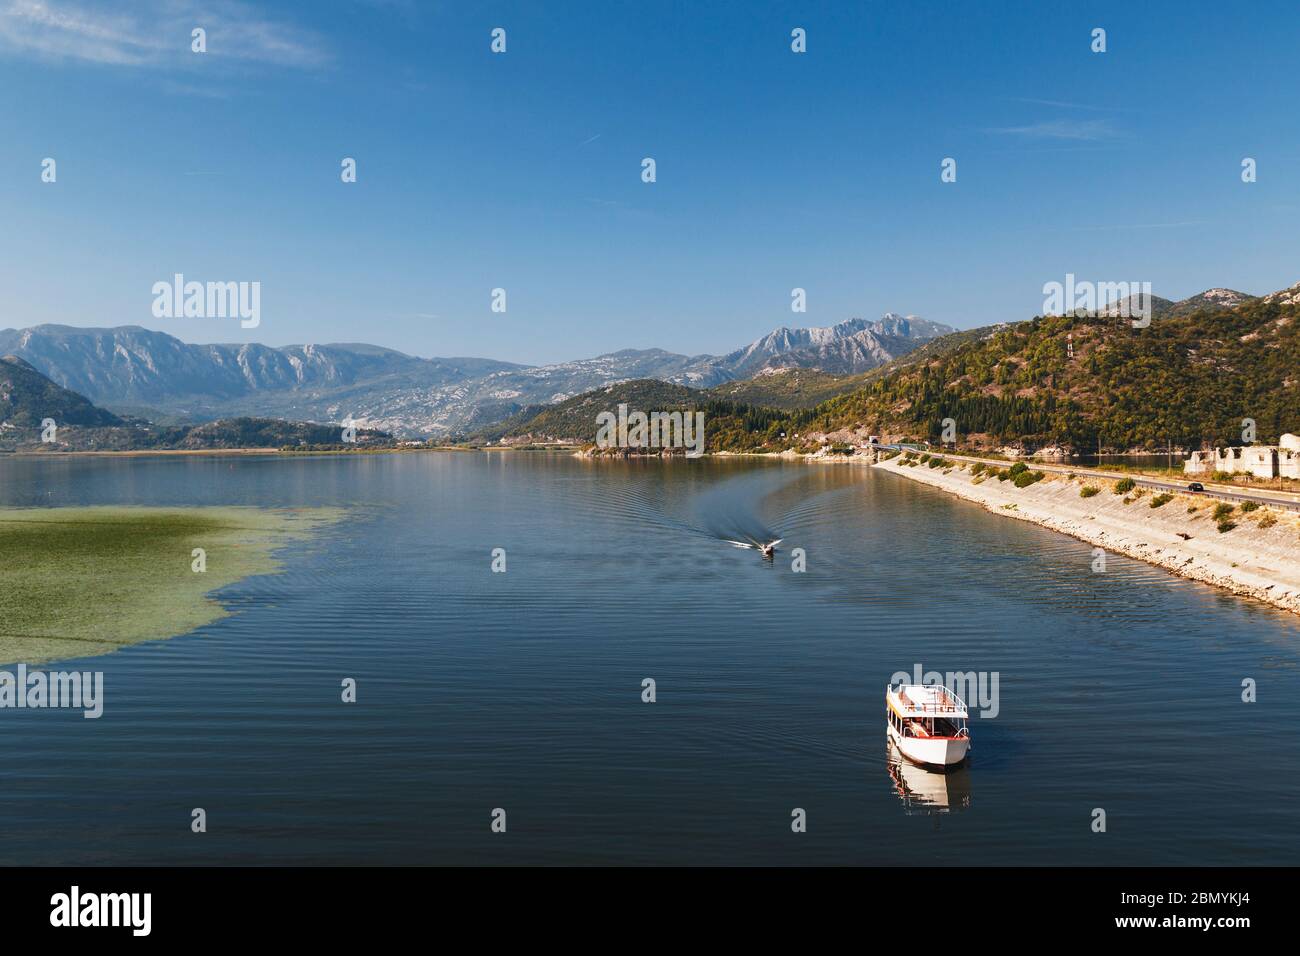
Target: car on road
x,y
1196,486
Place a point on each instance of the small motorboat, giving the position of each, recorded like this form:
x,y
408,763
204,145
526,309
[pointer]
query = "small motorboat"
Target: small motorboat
x,y
766,550
927,722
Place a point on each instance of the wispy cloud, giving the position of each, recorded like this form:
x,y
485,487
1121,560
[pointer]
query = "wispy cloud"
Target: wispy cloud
x,y
1062,129
1185,224
153,33
590,139
1065,105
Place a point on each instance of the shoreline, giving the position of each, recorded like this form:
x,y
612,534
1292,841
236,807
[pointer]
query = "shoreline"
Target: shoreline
x,y
141,452
1249,560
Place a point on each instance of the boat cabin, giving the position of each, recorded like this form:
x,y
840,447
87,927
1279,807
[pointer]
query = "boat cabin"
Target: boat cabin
x,y
926,712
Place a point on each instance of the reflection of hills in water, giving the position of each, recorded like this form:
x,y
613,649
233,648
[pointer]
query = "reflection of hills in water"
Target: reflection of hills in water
x,y
928,791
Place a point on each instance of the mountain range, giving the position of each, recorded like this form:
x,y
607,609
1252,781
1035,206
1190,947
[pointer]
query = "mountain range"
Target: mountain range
x,y
139,372
1008,380
29,402
1188,380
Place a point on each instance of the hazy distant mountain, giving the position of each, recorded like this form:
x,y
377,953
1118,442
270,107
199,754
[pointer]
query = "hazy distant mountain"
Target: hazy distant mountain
x,y
132,365
853,346
134,368
28,399
137,370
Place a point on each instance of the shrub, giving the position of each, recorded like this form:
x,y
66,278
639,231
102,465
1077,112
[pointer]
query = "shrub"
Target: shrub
x,y
938,462
1225,525
1087,491
1248,506
924,459
1222,510
1124,486
977,468
1267,520
1191,510
1026,478
1018,468
1003,475
1161,499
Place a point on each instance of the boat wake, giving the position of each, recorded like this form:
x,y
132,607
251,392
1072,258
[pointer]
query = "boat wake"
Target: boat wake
x,y
725,512
756,545
732,520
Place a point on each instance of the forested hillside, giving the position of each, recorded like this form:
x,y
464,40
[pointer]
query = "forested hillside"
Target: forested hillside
x,y
1186,379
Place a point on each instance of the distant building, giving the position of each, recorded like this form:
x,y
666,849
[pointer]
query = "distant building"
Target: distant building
x,y
1288,456
1262,461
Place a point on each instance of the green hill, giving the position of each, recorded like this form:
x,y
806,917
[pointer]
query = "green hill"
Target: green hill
x,y
728,425
267,433
27,398
574,419
790,389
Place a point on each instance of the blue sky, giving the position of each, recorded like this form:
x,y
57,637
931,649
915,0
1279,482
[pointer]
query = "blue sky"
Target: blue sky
x,y
522,170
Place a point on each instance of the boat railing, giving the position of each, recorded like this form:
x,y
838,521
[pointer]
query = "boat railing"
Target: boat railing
x,y
949,704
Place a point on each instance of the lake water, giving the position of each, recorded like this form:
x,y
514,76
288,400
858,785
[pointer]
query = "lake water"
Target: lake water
x,y
523,690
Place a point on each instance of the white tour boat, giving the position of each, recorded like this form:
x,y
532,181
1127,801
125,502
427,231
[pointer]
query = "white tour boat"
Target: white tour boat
x,y
927,722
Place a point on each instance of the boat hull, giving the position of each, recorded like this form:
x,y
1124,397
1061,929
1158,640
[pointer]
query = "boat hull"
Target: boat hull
x,y
934,752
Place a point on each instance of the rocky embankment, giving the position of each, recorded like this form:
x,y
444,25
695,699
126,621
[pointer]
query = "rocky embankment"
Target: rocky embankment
x,y
1258,556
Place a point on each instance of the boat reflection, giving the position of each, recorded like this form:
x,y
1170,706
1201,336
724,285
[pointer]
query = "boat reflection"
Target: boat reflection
x,y
925,791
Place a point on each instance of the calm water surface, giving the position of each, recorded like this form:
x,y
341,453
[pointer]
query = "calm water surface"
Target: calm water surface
x,y
522,690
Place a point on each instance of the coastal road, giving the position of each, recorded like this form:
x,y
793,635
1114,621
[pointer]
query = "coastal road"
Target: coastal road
x,y
1274,499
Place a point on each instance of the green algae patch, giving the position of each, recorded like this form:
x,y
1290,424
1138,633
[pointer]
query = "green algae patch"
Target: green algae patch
x,y
75,582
